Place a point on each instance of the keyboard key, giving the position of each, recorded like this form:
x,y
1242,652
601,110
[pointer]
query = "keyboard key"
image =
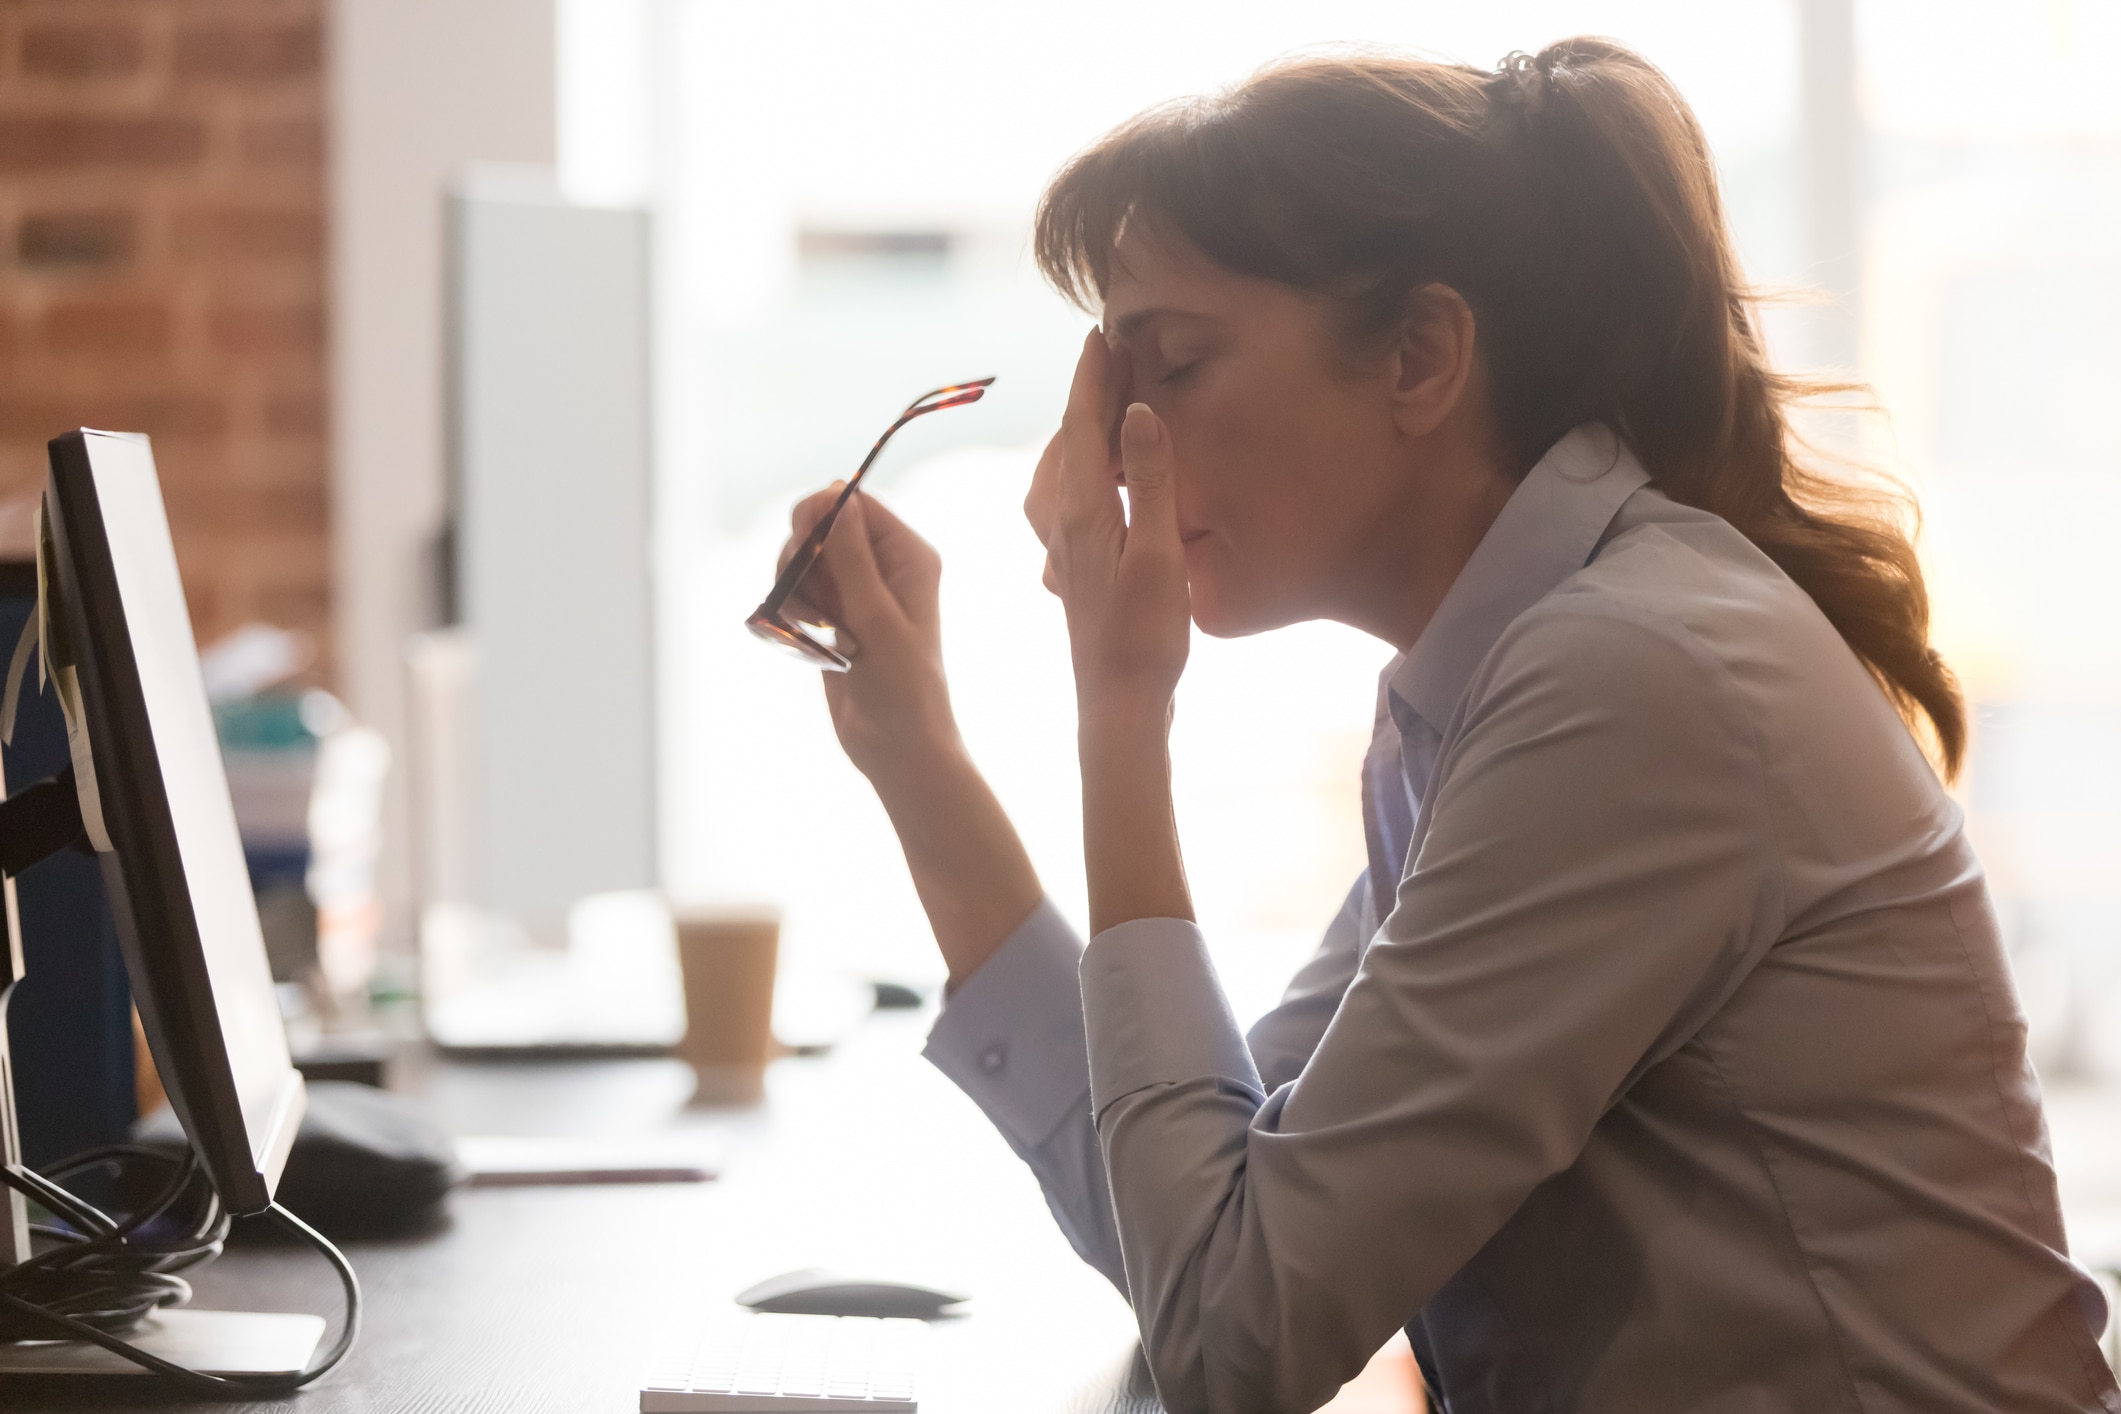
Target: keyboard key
x,y
756,1361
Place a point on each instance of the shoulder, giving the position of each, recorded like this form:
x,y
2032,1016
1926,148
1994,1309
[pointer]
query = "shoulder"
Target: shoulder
x,y
1650,649
1675,611
1595,658
1597,720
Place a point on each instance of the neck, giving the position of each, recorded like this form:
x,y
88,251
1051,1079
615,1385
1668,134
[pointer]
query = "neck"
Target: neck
x,y
1412,554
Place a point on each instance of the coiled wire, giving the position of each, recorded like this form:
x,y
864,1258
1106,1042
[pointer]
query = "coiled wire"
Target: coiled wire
x,y
98,1277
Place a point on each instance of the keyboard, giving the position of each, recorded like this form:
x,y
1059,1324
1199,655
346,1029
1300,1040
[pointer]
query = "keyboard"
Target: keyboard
x,y
779,1364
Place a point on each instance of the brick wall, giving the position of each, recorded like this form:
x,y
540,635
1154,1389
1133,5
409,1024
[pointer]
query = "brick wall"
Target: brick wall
x,y
162,271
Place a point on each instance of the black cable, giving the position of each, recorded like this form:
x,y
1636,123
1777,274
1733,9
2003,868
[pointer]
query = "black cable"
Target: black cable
x,y
100,1277
108,1274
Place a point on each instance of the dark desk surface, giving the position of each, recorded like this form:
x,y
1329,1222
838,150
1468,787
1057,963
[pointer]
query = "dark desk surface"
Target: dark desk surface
x,y
546,1299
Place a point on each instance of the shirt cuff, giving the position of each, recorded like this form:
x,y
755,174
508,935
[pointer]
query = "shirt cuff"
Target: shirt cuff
x,y
1155,1013
1011,1036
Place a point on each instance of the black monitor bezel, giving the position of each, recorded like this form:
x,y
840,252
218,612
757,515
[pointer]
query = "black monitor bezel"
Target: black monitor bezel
x,y
144,872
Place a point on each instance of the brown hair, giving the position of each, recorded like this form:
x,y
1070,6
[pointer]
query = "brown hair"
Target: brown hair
x,y
1571,199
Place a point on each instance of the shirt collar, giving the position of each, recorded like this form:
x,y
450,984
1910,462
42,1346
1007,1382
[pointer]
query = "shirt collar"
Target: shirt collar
x,y
1546,532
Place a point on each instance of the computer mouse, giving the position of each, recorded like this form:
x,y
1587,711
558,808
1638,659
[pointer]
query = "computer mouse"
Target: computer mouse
x,y
814,1291
364,1163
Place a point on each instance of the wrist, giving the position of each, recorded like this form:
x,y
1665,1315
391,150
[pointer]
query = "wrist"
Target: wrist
x,y
974,879
1117,720
1131,856
917,766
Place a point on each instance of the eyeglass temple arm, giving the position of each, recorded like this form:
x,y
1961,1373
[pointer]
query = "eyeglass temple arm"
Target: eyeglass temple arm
x,y
799,563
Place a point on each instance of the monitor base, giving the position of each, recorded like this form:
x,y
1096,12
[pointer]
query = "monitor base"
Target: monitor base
x,y
211,1342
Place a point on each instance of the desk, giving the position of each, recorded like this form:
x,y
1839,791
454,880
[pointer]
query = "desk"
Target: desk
x,y
545,1300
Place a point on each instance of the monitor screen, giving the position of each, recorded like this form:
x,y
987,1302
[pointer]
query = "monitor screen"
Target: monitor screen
x,y
174,862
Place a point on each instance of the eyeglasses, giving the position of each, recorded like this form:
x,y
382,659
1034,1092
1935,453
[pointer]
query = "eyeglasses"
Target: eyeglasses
x,y
814,642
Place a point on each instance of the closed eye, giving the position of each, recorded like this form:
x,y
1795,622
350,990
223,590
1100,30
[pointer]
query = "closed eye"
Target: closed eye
x,y
1180,373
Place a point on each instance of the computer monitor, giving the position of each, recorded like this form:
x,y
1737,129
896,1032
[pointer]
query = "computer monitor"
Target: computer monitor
x,y
146,789
155,804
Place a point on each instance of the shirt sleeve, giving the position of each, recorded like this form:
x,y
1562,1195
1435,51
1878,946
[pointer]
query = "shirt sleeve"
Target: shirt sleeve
x,y
1283,1040
1595,876
1012,1039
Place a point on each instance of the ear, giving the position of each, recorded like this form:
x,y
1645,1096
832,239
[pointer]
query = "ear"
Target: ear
x,y
1434,359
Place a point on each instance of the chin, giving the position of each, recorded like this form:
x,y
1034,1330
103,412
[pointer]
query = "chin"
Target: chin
x,y
1221,614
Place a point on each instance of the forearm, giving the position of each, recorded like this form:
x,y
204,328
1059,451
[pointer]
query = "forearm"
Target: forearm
x,y
1130,832
969,866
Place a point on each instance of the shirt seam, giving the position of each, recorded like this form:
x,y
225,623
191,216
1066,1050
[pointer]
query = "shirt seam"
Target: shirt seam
x,y
1988,1021
1680,636
1740,708
1741,720
1782,1204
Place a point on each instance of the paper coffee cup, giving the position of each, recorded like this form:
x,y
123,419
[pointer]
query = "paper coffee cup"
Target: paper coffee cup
x,y
728,956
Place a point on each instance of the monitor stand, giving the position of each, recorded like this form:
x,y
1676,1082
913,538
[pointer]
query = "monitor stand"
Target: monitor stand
x,y
14,1210
211,1342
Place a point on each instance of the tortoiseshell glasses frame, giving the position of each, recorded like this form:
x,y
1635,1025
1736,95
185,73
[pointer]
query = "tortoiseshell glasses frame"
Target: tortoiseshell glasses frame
x,y
770,619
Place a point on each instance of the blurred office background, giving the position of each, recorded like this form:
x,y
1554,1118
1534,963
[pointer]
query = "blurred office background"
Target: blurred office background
x,y
239,226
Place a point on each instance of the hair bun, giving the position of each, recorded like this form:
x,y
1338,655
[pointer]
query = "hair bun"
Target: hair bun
x,y
1520,79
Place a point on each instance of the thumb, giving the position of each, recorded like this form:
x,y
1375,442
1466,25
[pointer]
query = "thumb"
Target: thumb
x,y
1145,457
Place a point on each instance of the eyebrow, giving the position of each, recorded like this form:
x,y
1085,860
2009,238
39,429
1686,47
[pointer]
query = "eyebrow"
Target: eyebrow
x,y
1134,323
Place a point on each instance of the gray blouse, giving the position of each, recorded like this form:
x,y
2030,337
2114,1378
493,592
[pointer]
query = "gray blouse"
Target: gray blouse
x,y
1684,1072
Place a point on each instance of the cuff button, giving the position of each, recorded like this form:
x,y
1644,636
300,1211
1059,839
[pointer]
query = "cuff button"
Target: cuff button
x,y
994,1059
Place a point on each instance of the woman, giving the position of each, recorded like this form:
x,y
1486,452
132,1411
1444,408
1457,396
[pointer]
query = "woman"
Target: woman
x,y
1665,1058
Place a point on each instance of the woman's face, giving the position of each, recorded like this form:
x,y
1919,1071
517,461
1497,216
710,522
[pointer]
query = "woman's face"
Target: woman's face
x,y
1290,464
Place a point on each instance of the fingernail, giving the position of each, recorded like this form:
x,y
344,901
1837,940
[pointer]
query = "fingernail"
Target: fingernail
x,y
1148,415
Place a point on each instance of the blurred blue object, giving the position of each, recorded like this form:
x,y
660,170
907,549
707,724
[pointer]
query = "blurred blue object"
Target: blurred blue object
x,y
70,1021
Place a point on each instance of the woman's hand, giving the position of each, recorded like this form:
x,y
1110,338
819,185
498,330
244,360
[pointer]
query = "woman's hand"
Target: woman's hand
x,y
877,585
1121,574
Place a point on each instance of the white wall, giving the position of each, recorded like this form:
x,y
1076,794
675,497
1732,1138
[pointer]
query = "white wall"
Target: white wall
x,y
419,87
551,313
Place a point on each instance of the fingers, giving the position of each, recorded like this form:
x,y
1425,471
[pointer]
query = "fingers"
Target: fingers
x,y
1152,502
1042,501
851,560
894,544
885,528
910,568
872,573
1042,504
804,518
1085,472
1127,598
813,601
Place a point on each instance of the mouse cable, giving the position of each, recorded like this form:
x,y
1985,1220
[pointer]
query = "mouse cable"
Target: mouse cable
x,y
101,1277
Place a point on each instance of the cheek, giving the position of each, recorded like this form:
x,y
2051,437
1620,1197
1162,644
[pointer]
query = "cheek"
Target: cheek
x,y
1240,478
1228,462
1242,569
1268,488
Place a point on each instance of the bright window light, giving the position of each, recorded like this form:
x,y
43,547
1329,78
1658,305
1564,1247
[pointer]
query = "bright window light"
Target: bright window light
x,y
846,224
